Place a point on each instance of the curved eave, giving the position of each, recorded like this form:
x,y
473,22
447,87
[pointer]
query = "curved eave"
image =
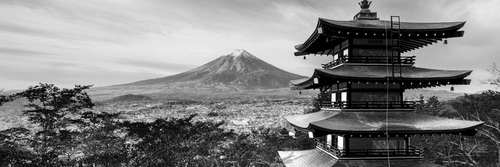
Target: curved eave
x,y
383,25
413,35
302,121
383,72
397,123
385,162
307,158
318,158
423,77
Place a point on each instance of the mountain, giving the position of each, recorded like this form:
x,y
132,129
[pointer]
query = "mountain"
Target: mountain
x,y
238,68
129,98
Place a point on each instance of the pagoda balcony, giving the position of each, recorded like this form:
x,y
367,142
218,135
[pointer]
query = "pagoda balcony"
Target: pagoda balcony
x,y
411,152
405,60
369,104
329,149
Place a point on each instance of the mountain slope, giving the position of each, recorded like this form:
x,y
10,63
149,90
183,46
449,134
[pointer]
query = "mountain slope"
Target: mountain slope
x,y
239,68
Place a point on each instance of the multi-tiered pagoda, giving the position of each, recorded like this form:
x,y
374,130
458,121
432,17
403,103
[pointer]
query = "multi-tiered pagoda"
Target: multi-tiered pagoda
x,y
364,120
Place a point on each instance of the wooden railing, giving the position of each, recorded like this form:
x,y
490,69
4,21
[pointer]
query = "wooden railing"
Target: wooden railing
x,y
372,59
333,150
411,151
369,104
332,63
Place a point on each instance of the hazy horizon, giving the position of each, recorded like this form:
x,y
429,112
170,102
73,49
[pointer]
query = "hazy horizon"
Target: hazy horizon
x,y
122,41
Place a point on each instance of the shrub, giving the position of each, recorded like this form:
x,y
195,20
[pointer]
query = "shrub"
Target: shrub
x,y
213,114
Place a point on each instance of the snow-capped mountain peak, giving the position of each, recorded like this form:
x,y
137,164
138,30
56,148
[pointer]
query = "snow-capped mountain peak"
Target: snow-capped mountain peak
x,y
237,52
235,68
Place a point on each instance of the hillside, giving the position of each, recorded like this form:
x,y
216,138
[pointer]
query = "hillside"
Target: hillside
x,y
238,72
129,98
239,68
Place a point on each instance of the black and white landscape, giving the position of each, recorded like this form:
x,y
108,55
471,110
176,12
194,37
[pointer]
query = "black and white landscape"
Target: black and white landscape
x,y
207,83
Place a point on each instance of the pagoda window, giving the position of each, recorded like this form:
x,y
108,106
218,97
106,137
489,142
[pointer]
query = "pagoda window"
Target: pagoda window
x,y
343,96
364,55
361,52
391,143
335,87
375,96
334,97
342,85
376,85
345,54
376,144
340,142
329,139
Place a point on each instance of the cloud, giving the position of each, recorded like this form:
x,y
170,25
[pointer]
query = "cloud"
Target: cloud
x,y
35,5
59,64
112,42
163,66
13,28
19,52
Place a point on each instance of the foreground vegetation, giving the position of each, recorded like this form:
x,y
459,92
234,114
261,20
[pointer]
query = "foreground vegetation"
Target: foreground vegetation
x,y
68,132
66,129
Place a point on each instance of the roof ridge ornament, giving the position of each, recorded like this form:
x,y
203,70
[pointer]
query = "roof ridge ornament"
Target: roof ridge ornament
x,y
365,4
365,13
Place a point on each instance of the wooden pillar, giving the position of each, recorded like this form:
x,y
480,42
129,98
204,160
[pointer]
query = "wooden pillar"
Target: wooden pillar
x,y
349,90
407,142
329,140
340,142
346,144
401,91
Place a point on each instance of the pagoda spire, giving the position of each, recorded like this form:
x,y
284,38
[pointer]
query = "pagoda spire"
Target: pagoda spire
x,y
365,13
365,4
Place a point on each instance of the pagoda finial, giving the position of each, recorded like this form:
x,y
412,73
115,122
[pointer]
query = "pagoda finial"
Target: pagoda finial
x,y
365,4
365,13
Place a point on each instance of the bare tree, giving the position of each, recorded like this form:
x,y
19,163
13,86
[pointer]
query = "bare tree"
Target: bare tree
x,y
495,79
483,107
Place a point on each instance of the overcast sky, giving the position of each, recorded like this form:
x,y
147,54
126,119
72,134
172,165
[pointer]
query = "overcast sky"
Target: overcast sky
x,y
120,41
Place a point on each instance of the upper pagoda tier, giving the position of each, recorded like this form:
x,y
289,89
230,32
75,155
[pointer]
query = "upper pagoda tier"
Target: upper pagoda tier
x,y
411,77
413,35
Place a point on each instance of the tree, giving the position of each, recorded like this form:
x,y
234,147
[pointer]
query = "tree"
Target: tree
x,y
452,150
102,140
495,79
270,141
54,110
176,142
13,143
484,107
5,98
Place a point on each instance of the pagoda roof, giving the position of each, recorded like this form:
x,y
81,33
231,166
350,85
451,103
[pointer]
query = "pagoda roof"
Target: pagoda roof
x,y
307,158
395,122
318,158
394,162
383,25
413,35
423,77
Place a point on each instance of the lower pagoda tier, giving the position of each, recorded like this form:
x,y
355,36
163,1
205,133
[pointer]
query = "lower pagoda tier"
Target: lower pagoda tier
x,y
318,158
358,137
409,76
375,123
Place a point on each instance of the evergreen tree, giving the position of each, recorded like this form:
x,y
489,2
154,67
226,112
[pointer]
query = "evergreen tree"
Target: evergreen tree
x,y
54,110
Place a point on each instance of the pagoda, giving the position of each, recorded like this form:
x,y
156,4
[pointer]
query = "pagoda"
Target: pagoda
x,y
364,119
